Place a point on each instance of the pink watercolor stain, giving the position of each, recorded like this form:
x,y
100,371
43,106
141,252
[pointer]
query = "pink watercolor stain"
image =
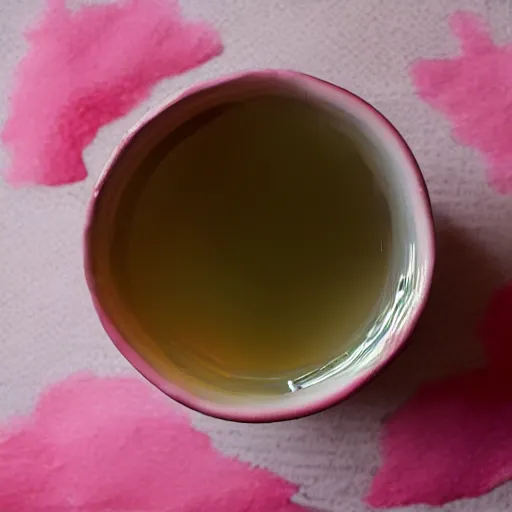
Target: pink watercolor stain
x,y
87,68
113,444
474,91
453,439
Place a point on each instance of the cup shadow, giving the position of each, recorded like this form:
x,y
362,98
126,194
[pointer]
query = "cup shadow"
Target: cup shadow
x,y
445,339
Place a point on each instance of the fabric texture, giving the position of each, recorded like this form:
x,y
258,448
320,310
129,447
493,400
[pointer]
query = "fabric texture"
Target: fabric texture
x,y
49,329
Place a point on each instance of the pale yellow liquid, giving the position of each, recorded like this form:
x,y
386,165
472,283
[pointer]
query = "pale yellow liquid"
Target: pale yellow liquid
x,y
255,241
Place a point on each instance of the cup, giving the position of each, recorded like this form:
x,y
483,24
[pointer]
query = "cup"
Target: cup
x,y
386,329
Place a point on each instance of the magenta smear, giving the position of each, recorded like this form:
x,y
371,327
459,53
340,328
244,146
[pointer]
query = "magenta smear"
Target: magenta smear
x,y
86,68
474,91
453,438
114,444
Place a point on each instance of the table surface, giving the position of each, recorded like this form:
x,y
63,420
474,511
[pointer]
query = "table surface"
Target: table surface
x,y
48,327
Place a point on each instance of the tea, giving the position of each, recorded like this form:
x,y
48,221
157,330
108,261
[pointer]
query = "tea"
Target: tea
x,y
254,241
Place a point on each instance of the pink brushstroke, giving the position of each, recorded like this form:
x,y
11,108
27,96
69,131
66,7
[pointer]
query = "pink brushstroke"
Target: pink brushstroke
x,y
474,91
87,68
97,444
453,438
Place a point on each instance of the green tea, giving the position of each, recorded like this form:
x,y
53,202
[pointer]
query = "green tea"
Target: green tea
x,y
254,241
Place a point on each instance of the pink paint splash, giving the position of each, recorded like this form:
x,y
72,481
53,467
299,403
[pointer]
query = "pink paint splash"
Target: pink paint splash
x,y
474,91
97,444
453,439
87,68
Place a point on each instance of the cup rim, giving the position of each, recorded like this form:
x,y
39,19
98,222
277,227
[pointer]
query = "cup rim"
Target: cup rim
x,y
278,413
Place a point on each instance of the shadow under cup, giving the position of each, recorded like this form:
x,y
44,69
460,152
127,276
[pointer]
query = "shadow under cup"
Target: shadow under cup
x,y
315,134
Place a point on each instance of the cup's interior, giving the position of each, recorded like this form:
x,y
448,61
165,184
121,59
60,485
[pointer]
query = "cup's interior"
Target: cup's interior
x,y
386,324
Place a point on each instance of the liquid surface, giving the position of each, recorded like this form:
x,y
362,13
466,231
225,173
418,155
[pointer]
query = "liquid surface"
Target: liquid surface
x,y
254,242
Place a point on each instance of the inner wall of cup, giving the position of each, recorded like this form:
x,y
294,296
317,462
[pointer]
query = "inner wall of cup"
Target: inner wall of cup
x,y
380,336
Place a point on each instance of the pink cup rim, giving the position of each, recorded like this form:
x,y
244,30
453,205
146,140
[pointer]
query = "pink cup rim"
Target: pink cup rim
x,y
177,393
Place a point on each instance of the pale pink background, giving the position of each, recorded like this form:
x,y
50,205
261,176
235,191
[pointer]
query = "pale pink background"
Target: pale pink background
x,y
47,325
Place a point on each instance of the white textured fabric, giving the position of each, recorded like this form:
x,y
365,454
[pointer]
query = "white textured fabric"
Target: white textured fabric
x,y
47,325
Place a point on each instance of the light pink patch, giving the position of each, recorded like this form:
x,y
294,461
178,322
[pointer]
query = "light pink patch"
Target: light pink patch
x,y
453,438
87,68
98,444
474,91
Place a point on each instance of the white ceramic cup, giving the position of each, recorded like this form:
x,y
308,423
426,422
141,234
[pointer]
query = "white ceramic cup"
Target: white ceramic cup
x,y
411,267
